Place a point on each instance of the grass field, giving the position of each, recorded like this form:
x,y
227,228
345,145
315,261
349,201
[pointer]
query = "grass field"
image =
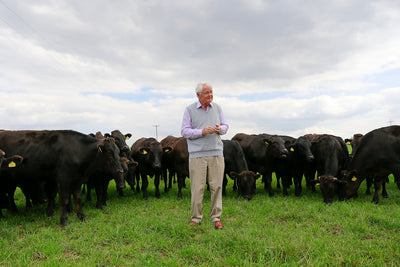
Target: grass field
x,y
265,231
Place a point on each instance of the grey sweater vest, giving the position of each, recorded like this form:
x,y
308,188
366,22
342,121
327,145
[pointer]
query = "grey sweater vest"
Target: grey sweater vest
x,y
210,144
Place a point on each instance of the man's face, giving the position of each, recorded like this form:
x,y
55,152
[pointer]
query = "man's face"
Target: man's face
x,y
206,96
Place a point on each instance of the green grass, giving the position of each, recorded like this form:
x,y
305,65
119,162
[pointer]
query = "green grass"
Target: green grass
x,y
276,231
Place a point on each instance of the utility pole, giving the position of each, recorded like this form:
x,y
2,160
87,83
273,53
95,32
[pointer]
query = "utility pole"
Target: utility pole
x,y
156,125
390,122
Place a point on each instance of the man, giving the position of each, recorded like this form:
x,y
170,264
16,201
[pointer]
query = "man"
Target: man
x,y
203,123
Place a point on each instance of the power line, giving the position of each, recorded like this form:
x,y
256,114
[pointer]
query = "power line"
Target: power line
x,y
26,24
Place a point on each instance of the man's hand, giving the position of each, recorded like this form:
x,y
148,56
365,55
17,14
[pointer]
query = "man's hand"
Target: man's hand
x,y
211,130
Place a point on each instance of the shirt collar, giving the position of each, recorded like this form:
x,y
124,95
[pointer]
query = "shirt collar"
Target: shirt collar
x,y
200,106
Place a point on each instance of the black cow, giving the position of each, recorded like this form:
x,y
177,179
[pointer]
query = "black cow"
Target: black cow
x,y
244,181
377,156
101,178
331,156
148,153
6,164
261,153
168,160
178,161
354,144
292,168
62,160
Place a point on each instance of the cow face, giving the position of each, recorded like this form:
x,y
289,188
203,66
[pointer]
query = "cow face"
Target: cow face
x,y
329,186
277,146
108,154
350,188
302,148
120,140
152,153
246,182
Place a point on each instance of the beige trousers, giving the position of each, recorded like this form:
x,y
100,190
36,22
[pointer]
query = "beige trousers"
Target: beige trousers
x,y
201,170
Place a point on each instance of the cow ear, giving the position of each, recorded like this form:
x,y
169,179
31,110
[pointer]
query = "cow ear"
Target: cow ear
x,y
107,135
233,175
292,148
257,175
266,142
143,151
133,163
127,136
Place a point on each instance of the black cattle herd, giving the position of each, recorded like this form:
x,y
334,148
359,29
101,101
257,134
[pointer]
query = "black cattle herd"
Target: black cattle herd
x,y
65,162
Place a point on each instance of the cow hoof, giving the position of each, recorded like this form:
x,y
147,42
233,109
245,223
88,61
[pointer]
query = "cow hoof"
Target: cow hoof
x,y
82,218
158,197
64,222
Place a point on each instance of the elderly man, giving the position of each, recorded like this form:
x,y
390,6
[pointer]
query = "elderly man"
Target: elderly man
x,y
203,124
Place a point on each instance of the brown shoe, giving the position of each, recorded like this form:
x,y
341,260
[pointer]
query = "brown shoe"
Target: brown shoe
x,y
218,225
192,223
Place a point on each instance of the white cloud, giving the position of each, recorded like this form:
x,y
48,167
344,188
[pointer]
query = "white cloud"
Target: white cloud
x,y
285,67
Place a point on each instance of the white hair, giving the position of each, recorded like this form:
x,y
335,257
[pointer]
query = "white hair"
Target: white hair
x,y
199,88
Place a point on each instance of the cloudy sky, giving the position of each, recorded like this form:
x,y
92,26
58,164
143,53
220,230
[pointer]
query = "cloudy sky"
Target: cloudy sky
x,y
278,67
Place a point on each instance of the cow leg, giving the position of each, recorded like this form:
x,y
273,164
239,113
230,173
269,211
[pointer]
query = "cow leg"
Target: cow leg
x,y
278,181
384,192
297,184
137,175
89,192
51,191
268,184
181,181
285,185
157,184
104,196
145,183
64,199
99,195
378,186
171,177
78,204
369,184
10,194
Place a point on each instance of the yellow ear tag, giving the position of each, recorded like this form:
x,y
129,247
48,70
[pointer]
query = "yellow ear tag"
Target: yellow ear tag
x,y
100,149
317,184
292,149
167,150
12,164
354,179
266,143
144,152
127,138
348,142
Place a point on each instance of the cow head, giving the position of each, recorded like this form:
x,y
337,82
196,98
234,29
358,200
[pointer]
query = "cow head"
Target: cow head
x,y
246,182
276,145
10,162
329,186
109,159
151,152
353,182
302,148
120,140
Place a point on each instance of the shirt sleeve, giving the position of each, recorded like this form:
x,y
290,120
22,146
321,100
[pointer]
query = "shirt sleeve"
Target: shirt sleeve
x,y
186,130
224,125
